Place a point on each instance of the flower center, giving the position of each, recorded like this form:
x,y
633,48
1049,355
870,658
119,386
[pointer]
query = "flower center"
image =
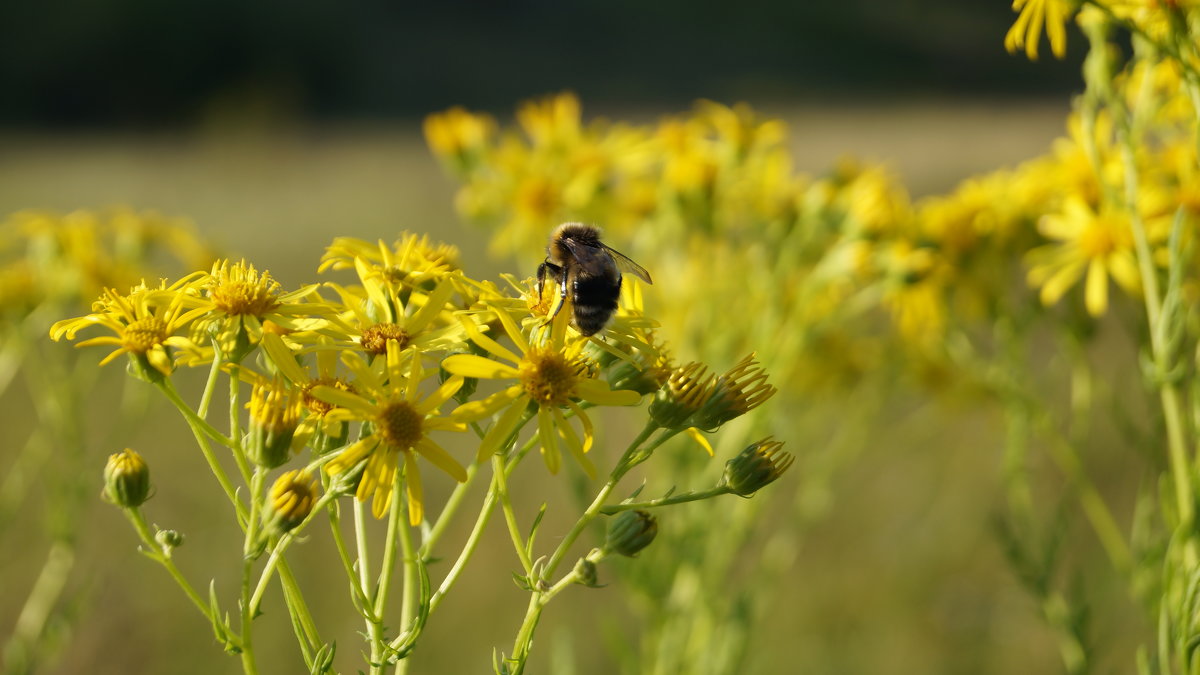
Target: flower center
x,y
238,289
315,405
548,377
144,334
400,424
375,338
1101,237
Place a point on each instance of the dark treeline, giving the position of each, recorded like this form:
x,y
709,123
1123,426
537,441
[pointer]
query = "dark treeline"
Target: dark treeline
x,y
150,63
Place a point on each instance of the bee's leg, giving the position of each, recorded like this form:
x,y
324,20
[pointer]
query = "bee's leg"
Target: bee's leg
x,y
545,269
562,290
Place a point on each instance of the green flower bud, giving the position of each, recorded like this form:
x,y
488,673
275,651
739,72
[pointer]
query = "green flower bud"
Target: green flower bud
x,y
743,388
630,532
126,479
585,573
685,391
168,539
291,500
755,467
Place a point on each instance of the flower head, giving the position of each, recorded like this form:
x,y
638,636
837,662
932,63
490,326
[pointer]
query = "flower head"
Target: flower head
x,y
1096,243
144,322
239,301
401,421
550,374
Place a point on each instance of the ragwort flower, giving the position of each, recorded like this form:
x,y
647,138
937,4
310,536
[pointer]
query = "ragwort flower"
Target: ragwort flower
x,y
145,322
548,376
400,424
1099,244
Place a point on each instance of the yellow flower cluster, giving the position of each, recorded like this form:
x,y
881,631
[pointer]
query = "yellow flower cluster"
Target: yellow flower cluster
x,y
388,352
704,196
67,260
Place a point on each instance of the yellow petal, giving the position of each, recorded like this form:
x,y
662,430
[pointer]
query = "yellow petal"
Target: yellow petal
x,y
1096,296
470,365
573,444
441,459
416,495
491,443
695,435
477,336
443,393
548,440
477,410
598,392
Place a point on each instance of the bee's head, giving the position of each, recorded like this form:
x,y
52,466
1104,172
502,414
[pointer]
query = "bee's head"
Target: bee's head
x,y
577,232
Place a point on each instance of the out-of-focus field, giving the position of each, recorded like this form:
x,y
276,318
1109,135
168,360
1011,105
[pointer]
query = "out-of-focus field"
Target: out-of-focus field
x,y
903,576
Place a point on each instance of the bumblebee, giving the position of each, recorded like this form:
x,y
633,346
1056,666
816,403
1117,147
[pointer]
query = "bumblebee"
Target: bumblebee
x,y
579,261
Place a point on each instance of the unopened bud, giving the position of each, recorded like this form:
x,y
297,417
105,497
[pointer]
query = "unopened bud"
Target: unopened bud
x,y
274,416
168,539
126,479
630,531
760,464
743,388
291,500
681,396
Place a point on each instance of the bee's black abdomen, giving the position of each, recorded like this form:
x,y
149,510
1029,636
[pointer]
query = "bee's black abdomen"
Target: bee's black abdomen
x,y
595,301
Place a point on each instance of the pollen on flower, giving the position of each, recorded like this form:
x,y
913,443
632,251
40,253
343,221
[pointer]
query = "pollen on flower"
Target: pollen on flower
x,y
549,377
375,338
316,406
400,424
239,290
143,335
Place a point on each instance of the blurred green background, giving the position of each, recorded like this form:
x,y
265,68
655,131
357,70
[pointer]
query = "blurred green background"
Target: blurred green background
x,y
277,126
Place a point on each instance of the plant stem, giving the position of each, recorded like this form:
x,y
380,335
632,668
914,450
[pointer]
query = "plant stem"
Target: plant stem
x,y
500,486
154,551
685,497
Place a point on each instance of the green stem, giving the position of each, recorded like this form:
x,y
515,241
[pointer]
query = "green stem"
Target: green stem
x,y
485,514
1168,393
357,591
202,431
623,466
667,501
408,600
453,503
500,486
154,551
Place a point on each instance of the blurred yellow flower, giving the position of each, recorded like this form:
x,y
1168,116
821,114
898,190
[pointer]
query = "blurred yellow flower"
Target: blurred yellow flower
x,y
1099,244
1026,31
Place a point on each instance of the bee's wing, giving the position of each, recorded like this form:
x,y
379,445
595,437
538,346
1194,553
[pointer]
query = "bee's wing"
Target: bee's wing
x,y
628,266
591,259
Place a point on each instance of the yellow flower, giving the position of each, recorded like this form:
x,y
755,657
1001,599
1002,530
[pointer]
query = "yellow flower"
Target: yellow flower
x,y
554,119
412,259
145,323
381,311
1026,31
1100,244
238,301
549,375
400,424
456,132
324,432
